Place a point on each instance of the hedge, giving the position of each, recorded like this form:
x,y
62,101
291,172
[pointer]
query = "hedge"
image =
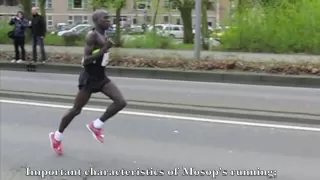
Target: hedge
x,y
148,40
283,27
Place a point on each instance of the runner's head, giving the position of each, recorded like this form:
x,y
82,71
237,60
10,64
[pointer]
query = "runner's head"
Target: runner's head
x,y
100,19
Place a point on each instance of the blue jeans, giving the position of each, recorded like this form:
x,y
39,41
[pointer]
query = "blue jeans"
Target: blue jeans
x,y
37,40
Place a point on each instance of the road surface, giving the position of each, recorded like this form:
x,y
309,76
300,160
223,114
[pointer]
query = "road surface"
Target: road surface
x,y
264,98
152,142
186,54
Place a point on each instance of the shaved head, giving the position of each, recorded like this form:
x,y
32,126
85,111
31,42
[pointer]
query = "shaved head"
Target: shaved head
x,y
100,19
34,10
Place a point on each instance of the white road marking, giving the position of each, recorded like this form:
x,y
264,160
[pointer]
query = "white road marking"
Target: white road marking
x,y
183,118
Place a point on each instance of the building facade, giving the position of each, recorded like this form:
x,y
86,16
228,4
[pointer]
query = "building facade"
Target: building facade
x,y
134,12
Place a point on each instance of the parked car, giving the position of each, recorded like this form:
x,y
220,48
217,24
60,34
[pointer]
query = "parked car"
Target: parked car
x,y
172,30
77,29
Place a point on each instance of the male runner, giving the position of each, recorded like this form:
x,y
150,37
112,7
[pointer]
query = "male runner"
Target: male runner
x,y
93,80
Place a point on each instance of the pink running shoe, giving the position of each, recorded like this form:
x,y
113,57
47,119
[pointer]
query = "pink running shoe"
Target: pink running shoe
x,y
96,133
55,145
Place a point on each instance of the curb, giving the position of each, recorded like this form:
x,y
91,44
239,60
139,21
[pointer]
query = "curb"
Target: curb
x,y
200,76
171,108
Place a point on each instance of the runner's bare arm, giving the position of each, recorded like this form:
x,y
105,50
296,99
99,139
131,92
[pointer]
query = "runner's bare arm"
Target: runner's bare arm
x,y
89,57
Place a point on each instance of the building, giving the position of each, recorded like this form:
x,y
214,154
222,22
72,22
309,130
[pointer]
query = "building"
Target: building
x,y
79,11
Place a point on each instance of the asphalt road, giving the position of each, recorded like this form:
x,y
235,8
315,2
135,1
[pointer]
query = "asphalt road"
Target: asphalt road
x,y
151,142
186,54
265,98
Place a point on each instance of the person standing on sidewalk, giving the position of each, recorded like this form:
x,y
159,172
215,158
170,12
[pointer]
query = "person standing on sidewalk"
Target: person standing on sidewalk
x,y
39,29
20,25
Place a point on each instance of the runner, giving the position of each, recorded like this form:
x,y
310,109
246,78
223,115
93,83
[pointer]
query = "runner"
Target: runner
x,y
93,80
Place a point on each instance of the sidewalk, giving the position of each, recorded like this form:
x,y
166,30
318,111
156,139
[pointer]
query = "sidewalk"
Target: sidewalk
x,y
186,54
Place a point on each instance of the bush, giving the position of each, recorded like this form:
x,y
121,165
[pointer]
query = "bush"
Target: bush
x,y
71,39
4,29
284,27
52,39
149,40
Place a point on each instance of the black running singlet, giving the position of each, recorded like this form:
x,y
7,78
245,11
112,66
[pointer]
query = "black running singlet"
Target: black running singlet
x,y
96,70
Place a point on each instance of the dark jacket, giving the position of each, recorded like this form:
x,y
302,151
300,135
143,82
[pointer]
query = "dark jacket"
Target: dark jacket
x,y
38,25
20,26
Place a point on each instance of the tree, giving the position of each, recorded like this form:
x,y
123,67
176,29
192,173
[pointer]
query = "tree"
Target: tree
x,y
26,6
155,13
204,22
118,5
96,4
43,8
185,7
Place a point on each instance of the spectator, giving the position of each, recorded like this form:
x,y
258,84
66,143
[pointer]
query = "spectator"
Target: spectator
x,y
20,25
38,27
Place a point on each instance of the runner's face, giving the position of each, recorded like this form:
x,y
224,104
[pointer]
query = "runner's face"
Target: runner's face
x,y
104,21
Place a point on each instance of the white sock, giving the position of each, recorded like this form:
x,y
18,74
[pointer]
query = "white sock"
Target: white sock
x,y
58,136
98,123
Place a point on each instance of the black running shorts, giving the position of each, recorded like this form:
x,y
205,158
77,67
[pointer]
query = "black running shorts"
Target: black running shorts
x,y
91,84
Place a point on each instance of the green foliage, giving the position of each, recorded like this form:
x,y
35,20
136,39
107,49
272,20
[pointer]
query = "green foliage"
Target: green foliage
x,y
4,29
138,41
182,3
72,39
43,8
283,27
26,7
96,4
149,41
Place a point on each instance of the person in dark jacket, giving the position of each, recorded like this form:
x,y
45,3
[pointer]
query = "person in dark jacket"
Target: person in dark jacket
x,y
20,25
38,27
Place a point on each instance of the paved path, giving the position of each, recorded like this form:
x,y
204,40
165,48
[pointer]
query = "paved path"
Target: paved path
x,y
187,54
284,99
134,142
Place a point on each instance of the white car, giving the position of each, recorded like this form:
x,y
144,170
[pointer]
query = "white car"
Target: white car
x,y
74,29
172,30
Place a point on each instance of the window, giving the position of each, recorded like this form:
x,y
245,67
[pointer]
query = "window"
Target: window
x,y
168,4
49,21
168,28
176,28
49,4
85,20
70,20
174,6
148,18
160,27
143,4
166,19
210,5
36,3
78,28
77,19
77,4
178,21
135,21
12,3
